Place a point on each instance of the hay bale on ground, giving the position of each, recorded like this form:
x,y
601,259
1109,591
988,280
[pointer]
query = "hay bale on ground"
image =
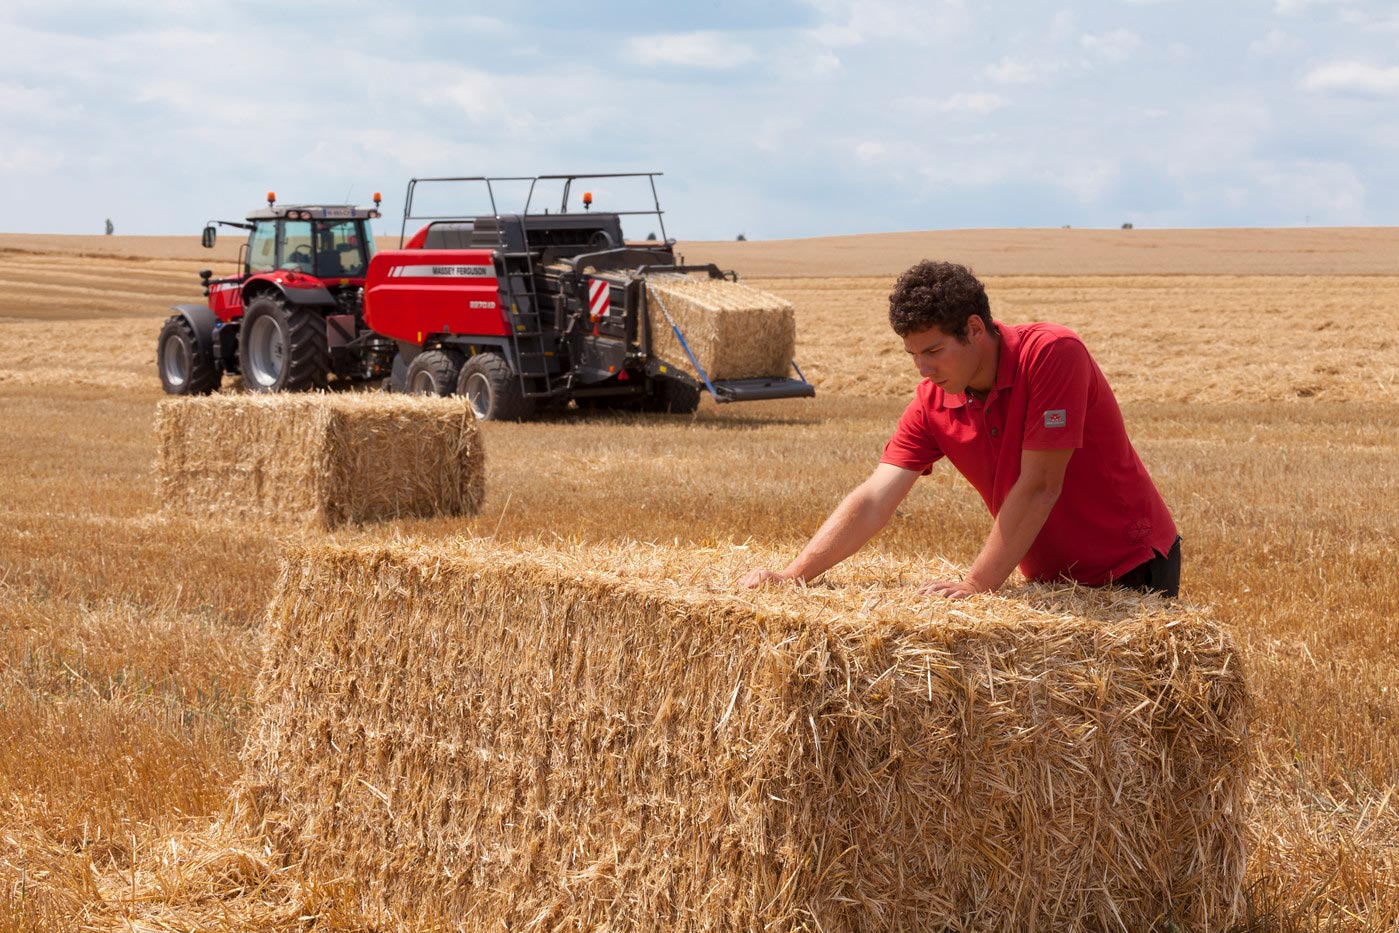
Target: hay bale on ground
x,y
320,458
612,739
736,332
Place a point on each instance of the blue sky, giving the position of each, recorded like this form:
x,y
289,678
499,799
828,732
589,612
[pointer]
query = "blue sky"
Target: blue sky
x,y
782,119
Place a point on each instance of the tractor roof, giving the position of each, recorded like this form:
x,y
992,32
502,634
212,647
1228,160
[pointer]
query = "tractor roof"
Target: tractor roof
x,y
314,212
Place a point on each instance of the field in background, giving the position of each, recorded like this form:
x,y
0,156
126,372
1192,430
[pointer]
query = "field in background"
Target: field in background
x,y
1264,404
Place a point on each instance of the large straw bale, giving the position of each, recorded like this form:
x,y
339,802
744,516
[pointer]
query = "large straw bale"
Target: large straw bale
x,y
616,739
735,331
323,459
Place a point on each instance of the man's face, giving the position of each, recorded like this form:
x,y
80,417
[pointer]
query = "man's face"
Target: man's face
x,y
947,361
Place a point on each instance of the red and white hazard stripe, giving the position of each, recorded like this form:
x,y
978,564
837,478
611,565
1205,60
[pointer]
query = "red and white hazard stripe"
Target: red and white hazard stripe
x,y
599,298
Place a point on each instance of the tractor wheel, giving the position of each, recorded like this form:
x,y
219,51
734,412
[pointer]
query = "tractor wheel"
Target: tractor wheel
x,y
673,396
282,349
185,369
433,372
494,391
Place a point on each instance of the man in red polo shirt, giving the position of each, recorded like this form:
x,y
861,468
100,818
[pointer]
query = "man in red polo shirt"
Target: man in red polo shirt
x,y
1025,414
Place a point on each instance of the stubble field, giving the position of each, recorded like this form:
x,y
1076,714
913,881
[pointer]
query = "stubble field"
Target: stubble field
x,y
1259,375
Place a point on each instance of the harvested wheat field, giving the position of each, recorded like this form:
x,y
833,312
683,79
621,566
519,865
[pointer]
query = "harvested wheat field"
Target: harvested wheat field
x,y
1258,374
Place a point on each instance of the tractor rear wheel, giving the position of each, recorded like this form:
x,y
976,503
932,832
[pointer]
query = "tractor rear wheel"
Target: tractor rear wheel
x,y
433,372
185,367
282,349
494,391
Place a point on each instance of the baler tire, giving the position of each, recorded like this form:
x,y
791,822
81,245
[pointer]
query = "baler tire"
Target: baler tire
x,y
185,369
673,396
282,349
492,388
433,372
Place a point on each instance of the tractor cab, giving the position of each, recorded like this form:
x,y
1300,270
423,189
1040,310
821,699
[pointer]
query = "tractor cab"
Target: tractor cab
x,y
326,241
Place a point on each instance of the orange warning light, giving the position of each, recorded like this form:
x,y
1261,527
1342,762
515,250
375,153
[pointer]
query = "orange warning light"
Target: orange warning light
x,y
587,200
377,199
271,198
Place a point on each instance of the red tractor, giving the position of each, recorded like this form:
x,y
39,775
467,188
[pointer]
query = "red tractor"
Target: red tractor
x,y
294,313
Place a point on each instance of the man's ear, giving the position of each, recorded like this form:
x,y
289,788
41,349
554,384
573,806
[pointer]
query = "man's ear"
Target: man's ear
x,y
975,327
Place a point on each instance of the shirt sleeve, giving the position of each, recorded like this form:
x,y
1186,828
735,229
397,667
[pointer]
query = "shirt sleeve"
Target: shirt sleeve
x,y
913,446
1058,377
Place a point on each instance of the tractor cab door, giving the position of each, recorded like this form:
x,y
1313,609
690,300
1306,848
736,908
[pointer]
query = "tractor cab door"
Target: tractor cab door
x,y
343,248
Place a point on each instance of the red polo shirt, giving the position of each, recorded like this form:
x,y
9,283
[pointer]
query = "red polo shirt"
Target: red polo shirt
x,y
1049,395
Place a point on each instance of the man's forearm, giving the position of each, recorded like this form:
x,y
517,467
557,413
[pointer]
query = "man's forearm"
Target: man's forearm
x,y
857,519
1023,514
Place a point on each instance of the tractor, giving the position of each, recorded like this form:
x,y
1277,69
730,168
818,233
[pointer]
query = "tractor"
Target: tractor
x,y
293,314
531,311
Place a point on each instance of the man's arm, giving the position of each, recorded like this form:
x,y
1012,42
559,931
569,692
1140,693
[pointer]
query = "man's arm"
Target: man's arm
x,y
1022,515
859,517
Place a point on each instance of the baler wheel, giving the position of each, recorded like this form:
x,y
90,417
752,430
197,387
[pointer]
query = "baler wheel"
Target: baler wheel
x,y
493,390
282,349
434,372
673,396
185,369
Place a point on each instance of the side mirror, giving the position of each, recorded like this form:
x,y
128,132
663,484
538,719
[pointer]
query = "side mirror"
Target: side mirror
x,y
210,235
206,275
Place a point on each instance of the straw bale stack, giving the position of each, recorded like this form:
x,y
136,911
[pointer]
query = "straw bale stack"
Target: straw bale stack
x,y
322,459
616,739
736,332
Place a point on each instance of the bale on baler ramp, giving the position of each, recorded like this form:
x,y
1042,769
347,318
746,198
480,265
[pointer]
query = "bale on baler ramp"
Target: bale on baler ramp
x,y
613,738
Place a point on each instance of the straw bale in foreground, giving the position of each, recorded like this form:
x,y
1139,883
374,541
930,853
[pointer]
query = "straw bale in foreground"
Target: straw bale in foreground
x,y
615,739
736,332
320,458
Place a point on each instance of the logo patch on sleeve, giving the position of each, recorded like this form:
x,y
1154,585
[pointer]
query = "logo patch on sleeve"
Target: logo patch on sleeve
x,y
1056,418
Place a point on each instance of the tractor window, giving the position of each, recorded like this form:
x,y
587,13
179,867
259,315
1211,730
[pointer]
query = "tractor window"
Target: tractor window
x,y
296,254
262,248
340,249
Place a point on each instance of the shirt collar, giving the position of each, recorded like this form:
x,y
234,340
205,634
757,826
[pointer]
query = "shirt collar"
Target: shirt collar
x,y
1005,368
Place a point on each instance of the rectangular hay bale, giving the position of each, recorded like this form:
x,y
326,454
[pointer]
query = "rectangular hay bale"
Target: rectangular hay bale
x,y
322,458
532,739
734,330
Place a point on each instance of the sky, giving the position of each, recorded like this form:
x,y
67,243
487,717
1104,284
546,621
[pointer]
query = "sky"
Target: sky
x,y
791,118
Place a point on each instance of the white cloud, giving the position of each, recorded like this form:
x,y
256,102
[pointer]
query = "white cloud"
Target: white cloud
x,y
1116,46
977,102
1353,78
1297,7
857,22
1277,42
775,133
1020,71
703,49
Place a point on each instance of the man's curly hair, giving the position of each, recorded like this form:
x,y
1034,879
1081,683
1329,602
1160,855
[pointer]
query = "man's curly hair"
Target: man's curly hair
x,y
938,294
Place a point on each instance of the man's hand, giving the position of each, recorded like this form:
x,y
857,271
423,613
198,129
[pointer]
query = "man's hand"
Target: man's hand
x,y
756,578
951,589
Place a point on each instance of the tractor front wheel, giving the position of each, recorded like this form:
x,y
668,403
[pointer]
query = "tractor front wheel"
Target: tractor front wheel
x,y
185,367
433,372
282,349
494,391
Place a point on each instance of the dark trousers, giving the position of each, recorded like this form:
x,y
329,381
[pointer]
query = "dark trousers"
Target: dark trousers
x,y
1161,574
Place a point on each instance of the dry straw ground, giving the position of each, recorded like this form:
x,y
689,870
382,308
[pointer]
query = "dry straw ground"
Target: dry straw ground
x,y
1260,379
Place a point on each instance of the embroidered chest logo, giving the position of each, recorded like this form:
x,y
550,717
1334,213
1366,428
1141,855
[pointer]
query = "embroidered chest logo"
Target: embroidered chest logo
x,y
1056,418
